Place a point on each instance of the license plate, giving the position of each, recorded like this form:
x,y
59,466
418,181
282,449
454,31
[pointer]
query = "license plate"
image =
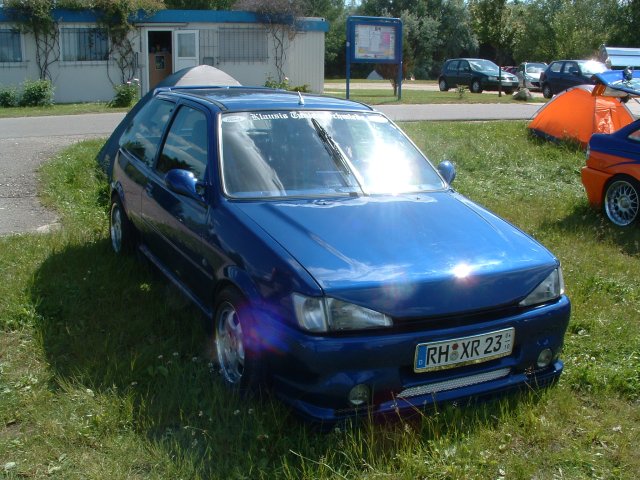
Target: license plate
x,y
463,351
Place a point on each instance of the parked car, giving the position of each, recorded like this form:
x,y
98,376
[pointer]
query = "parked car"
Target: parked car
x,y
333,262
477,74
611,176
528,74
563,74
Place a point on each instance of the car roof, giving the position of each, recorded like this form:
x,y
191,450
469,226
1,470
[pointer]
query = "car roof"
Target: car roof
x,y
262,98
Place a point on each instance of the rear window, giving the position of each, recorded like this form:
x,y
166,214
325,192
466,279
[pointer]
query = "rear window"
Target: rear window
x,y
452,66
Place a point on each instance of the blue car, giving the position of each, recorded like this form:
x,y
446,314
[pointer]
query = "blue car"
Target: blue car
x,y
333,262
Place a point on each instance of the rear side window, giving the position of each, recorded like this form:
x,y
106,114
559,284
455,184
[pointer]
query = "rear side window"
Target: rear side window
x,y
635,136
452,66
187,142
142,137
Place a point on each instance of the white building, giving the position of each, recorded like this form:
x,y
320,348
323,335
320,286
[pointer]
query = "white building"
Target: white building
x,y
236,42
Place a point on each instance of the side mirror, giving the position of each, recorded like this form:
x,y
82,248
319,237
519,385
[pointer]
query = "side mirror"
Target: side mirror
x,y
182,182
447,170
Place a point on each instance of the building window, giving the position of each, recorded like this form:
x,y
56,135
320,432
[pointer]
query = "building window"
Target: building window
x,y
84,44
10,46
242,45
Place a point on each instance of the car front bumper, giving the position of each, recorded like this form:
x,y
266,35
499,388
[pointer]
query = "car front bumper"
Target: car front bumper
x,y
314,374
494,84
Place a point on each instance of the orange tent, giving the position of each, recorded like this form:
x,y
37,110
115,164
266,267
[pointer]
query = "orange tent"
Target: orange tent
x,y
578,113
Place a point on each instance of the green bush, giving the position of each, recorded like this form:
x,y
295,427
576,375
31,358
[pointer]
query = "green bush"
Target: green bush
x,y
9,97
126,95
37,93
284,85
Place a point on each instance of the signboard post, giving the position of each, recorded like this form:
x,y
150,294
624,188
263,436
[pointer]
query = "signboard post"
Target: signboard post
x,y
374,40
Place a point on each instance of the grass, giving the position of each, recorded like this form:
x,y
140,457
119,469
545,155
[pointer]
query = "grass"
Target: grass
x,y
103,371
59,109
416,97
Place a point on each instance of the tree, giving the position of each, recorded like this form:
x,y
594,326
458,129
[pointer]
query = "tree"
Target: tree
x,y
199,4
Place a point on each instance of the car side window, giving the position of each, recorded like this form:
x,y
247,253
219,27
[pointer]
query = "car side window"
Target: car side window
x,y
634,136
143,135
464,66
570,67
186,146
452,66
555,67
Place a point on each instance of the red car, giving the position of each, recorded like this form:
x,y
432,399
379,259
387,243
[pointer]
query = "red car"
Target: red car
x,y
612,174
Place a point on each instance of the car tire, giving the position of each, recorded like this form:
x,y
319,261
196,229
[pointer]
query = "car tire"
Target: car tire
x,y
121,230
508,91
476,86
622,201
546,91
442,84
238,361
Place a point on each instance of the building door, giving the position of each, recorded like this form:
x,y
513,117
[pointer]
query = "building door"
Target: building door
x,y
159,51
186,49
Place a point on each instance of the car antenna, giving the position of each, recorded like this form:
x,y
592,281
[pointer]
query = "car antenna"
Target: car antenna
x,y
301,100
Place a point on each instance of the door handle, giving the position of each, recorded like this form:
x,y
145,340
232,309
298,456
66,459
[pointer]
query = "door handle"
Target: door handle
x,y
149,189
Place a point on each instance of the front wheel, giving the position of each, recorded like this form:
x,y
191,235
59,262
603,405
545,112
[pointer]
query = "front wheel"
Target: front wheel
x,y
508,91
621,201
442,85
476,87
238,362
546,91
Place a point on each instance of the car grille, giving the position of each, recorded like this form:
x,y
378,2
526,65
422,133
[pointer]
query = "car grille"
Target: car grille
x,y
454,383
459,320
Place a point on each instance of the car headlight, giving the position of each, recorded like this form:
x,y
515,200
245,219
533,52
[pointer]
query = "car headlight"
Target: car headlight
x,y
549,289
493,78
324,314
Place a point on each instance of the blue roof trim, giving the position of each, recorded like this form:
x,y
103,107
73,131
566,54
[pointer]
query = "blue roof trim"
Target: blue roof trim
x,y
182,16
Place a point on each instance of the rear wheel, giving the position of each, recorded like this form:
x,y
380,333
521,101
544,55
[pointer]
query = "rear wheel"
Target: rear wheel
x,y
546,91
508,91
476,86
622,201
442,84
121,230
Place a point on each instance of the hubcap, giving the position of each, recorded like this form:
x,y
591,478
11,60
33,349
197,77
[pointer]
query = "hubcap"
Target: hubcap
x,y
229,345
621,203
116,228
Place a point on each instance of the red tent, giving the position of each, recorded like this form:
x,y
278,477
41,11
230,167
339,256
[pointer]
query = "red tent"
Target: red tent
x,y
578,113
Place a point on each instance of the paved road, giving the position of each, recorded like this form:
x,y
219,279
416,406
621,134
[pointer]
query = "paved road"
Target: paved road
x,y
25,143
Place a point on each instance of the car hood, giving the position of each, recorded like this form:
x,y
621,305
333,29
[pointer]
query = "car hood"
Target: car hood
x,y
411,255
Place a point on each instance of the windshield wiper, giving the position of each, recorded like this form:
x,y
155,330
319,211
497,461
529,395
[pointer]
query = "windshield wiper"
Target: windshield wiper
x,y
339,158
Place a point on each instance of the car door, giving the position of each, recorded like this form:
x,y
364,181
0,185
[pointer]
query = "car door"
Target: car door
x,y
465,75
451,73
139,146
571,75
178,220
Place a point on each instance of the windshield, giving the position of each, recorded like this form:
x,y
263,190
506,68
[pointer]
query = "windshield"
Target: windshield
x,y
484,66
591,67
535,67
312,153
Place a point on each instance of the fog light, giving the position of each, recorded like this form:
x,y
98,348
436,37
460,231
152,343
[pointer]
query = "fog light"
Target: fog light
x,y
359,395
545,358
